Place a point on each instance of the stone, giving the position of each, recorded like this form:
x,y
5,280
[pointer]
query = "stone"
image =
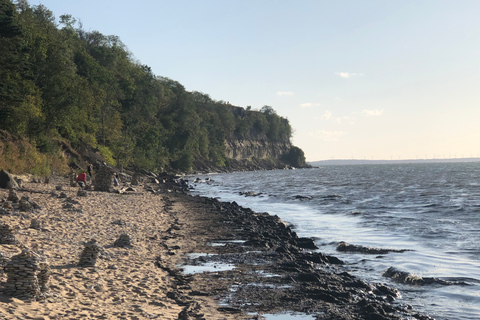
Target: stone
x,y
24,204
6,234
5,211
19,182
12,196
89,255
35,224
81,193
7,181
123,241
28,274
135,179
104,179
119,222
3,260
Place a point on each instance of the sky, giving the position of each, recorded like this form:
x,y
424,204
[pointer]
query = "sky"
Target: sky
x,y
369,79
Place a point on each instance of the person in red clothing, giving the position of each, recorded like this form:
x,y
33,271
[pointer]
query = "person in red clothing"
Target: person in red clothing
x,y
81,180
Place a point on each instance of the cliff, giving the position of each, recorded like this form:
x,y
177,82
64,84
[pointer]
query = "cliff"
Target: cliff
x,y
260,149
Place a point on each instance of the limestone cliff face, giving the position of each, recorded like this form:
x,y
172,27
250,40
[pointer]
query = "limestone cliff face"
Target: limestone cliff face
x,y
260,149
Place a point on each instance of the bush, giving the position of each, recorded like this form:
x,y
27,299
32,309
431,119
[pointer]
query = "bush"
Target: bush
x,y
107,155
19,156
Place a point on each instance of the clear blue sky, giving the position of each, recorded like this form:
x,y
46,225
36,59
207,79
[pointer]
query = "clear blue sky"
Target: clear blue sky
x,y
358,79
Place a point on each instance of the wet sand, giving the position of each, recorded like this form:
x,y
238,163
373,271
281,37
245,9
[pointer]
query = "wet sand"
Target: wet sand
x,y
267,268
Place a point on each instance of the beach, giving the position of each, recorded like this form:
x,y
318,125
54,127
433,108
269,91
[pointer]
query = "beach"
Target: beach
x,y
255,263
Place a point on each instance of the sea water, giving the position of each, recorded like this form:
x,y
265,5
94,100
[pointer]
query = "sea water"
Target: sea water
x,y
431,209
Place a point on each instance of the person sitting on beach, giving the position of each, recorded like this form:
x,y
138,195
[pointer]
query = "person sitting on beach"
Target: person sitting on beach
x,y
81,180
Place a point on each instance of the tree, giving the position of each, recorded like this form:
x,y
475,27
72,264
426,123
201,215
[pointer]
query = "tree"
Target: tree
x,y
20,102
11,62
295,157
59,81
268,110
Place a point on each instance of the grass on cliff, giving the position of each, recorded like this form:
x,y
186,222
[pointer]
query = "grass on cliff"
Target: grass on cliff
x,y
19,156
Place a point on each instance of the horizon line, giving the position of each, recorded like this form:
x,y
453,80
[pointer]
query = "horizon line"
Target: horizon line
x,y
401,160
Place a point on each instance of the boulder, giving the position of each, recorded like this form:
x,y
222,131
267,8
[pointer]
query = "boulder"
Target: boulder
x,y
7,181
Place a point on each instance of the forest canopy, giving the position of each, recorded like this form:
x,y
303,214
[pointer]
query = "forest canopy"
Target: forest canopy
x,y
58,81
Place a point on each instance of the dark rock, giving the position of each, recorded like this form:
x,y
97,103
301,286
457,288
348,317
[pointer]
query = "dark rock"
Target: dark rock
x,y
6,234
89,255
103,180
320,258
123,241
24,204
306,243
346,247
119,222
300,197
12,196
408,278
35,224
7,181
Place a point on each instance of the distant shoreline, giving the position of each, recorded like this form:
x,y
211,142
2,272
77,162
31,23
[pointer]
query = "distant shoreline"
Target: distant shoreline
x,y
359,161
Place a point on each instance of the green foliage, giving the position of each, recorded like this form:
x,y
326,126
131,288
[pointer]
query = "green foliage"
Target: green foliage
x,y
60,81
183,161
107,155
295,157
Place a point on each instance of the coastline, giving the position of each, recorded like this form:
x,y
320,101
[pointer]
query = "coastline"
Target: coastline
x,y
267,268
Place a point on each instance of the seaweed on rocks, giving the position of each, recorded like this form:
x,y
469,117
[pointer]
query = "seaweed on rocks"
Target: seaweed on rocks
x,y
277,271
347,247
408,278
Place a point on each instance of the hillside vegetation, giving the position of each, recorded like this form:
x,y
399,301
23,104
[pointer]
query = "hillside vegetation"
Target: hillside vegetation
x,y
59,82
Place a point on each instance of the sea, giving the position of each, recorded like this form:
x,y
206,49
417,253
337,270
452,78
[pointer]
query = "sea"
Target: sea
x,y
431,209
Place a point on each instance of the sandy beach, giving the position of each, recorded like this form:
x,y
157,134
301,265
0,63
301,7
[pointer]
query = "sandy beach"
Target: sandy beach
x,y
125,282
257,265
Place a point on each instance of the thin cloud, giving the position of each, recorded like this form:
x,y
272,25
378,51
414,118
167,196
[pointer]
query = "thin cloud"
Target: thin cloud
x,y
328,136
372,113
346,75
346,119
326,115
309,104
285,93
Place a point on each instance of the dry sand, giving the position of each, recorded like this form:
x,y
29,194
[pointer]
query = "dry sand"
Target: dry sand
x,y
126,283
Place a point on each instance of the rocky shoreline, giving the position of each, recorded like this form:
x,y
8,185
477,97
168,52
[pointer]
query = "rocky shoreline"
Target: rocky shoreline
x,y
276,271
254,263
